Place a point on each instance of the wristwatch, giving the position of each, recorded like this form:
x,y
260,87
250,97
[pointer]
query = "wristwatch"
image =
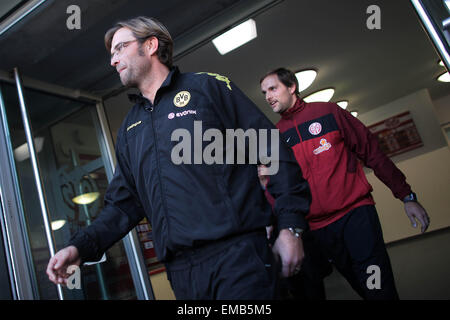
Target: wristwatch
x,y
297,232
410,197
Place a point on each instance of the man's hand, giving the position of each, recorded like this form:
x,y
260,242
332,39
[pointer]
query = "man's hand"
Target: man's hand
x,y
262,175
289,249
415,211
58,264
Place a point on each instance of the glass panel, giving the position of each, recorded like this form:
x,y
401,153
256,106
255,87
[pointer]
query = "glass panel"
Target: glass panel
x,y
5,285
71,164
144,230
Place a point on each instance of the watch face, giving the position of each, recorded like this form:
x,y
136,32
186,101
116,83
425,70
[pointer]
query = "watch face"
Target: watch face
x,y
411,197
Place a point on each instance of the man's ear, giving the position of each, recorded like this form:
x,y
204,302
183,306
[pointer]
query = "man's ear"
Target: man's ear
x,y
292,89
151,45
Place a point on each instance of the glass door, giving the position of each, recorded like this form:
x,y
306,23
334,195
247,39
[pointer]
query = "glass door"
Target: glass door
x,y
74,164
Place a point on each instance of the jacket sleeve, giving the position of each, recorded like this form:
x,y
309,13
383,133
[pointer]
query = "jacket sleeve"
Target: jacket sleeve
x,y
366,147
288,187
122,211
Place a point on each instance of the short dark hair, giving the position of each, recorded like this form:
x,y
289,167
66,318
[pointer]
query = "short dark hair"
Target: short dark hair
x,y
142,29
285,76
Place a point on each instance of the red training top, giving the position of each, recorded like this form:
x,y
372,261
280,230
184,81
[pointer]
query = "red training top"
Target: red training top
x,y
327,142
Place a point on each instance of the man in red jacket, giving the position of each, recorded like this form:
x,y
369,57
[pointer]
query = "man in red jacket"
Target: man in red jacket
x,y
327,142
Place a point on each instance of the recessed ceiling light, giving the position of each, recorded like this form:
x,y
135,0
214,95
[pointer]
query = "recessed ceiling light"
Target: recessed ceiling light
x,y
354,113
305,79
58,224
320,96
445,77
235,37
343,104
21,153
86,198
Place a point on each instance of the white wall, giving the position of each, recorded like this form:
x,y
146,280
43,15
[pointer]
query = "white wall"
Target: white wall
x,y
427,169
442,107
429,176
423,112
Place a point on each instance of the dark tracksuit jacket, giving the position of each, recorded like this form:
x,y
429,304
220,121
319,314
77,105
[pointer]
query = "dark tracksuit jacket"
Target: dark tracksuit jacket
x,y
327,142
190,204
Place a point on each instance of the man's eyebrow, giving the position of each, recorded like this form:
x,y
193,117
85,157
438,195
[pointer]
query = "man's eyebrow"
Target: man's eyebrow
x,y
115,47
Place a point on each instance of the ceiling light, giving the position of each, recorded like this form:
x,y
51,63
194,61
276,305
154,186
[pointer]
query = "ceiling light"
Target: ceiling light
x,y
58,224
354,113
320,96
343,104
445,77
86,198
235,37
22,153
305,79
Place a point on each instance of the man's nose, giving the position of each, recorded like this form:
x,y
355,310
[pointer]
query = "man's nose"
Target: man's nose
x,y
114,61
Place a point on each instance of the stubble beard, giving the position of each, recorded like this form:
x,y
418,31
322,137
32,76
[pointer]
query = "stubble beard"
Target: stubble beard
x,y
128,79
133,74
278,108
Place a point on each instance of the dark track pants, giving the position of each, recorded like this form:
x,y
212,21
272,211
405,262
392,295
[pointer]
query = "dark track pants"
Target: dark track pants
x,y
240,267
354,243
308,284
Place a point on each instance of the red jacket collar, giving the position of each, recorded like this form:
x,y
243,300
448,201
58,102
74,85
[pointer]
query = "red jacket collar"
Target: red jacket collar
x,y
297,107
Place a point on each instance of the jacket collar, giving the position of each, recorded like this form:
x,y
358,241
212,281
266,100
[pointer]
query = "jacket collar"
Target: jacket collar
x,y
139,98
296,108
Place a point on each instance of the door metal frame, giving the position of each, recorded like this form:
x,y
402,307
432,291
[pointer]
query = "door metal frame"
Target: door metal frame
x,y
20,264
15,239
18,15
434,33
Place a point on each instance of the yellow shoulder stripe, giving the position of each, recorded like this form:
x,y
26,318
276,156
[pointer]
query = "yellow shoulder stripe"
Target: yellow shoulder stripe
x,y
218,77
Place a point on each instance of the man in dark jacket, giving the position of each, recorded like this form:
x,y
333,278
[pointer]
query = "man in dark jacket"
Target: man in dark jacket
x,y
208,215
327,142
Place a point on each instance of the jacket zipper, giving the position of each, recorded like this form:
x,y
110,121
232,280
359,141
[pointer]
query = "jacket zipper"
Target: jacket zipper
x,y
310,172
163,199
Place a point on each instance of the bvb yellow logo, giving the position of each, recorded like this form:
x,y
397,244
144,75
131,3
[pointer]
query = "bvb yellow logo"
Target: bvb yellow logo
x,y
181,99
